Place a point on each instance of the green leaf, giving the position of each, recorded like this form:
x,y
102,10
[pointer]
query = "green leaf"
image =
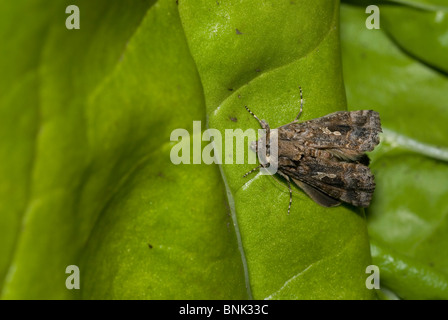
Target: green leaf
x,y
410,278
104,193
424,4
425,38
257,54
408,217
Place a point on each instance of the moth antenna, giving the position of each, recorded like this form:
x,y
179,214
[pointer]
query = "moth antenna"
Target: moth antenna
x,y
253,115
301,105
258,167
263,124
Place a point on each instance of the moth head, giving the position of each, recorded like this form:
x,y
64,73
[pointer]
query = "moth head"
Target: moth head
x,y
263,147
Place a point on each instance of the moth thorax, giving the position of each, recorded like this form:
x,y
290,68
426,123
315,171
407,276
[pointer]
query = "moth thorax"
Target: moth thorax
x,y
264,150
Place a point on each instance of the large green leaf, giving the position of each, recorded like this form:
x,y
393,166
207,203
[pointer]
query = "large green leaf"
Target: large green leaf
x,y
104,193
257,54
86,176
408,217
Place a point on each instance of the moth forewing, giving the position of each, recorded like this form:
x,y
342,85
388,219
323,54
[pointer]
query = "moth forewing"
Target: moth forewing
x,y
350,182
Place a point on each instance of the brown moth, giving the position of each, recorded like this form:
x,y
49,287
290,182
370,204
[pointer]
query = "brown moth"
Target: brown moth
x,y
325,157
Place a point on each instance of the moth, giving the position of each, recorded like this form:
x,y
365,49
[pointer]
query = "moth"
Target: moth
x,y
325,157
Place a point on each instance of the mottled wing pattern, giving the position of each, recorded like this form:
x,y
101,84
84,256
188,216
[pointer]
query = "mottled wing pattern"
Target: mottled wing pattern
x,y
326,156
331,181
344,134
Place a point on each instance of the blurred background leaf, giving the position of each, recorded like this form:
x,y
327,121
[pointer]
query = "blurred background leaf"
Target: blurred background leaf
x,y
400,71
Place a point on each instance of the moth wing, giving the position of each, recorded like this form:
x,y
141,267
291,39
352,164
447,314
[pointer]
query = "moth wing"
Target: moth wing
x,y
318,196
345,134
346,181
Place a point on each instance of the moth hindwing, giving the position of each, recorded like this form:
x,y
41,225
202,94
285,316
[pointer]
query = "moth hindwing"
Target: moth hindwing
x,y
325,157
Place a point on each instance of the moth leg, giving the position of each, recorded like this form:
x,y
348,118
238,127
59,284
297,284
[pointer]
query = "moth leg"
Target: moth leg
x,y
258,167
290,190
301,105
